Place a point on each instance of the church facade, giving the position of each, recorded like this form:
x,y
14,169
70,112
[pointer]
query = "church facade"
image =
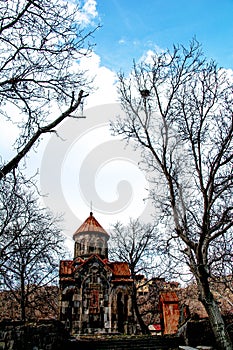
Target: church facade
x,y
95,294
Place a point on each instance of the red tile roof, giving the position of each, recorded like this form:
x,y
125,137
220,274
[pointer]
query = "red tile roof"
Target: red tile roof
x,y
91,225
83,262
120,269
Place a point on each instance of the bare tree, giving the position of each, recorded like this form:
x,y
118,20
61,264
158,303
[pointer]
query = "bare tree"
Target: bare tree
x,y
31,244
137,244
179,112
41,84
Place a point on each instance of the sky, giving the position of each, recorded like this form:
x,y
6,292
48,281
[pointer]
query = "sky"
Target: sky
x,y
130,28
87,168
97,171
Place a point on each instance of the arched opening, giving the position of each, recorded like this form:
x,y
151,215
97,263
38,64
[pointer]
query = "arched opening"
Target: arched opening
x,y
67,297
92,246
120,312
82,246
126,307
100,245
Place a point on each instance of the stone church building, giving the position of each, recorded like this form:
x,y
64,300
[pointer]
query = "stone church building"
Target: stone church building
x,y
95,294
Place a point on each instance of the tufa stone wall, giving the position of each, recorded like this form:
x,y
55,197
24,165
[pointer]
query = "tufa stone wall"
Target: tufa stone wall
x,y
43,335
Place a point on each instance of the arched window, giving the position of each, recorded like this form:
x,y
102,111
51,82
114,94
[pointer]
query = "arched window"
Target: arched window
x,y
91,246
82,246
76,249
120,313
100,244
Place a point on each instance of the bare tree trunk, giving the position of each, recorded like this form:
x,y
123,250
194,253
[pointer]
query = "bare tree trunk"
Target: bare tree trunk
x,y
22,300
222,337
142,325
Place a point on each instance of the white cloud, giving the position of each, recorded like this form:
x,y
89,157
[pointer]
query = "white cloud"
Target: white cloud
x,y
121,41
88,12
147,56
90,8
104,81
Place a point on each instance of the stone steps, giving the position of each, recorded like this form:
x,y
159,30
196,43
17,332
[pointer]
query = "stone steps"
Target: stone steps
x,y
145,343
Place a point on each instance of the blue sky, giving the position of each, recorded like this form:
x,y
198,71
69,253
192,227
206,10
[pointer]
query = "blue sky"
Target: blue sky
x,y
130,28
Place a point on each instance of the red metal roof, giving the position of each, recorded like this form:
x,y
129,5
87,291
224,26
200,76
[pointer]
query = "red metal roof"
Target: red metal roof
x,y
91,225
168,297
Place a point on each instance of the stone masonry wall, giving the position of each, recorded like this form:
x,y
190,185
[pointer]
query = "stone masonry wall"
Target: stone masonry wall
x,y
43,335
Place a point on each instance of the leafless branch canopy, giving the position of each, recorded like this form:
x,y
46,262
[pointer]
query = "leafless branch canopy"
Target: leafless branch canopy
x,y
179,111
41,44
30,246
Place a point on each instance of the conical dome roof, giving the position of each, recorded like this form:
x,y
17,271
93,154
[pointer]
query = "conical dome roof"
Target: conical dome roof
x,y
91,225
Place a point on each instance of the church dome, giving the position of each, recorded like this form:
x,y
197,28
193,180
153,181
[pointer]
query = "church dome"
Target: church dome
x,y
90,225
90,238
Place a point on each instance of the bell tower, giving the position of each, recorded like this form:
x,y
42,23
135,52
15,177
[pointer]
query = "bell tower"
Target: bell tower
x,y
90,238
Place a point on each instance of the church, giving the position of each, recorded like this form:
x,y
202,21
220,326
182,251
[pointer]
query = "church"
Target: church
x,y
95,294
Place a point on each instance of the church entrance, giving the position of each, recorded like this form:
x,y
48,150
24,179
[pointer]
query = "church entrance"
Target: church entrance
x,y
120,323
